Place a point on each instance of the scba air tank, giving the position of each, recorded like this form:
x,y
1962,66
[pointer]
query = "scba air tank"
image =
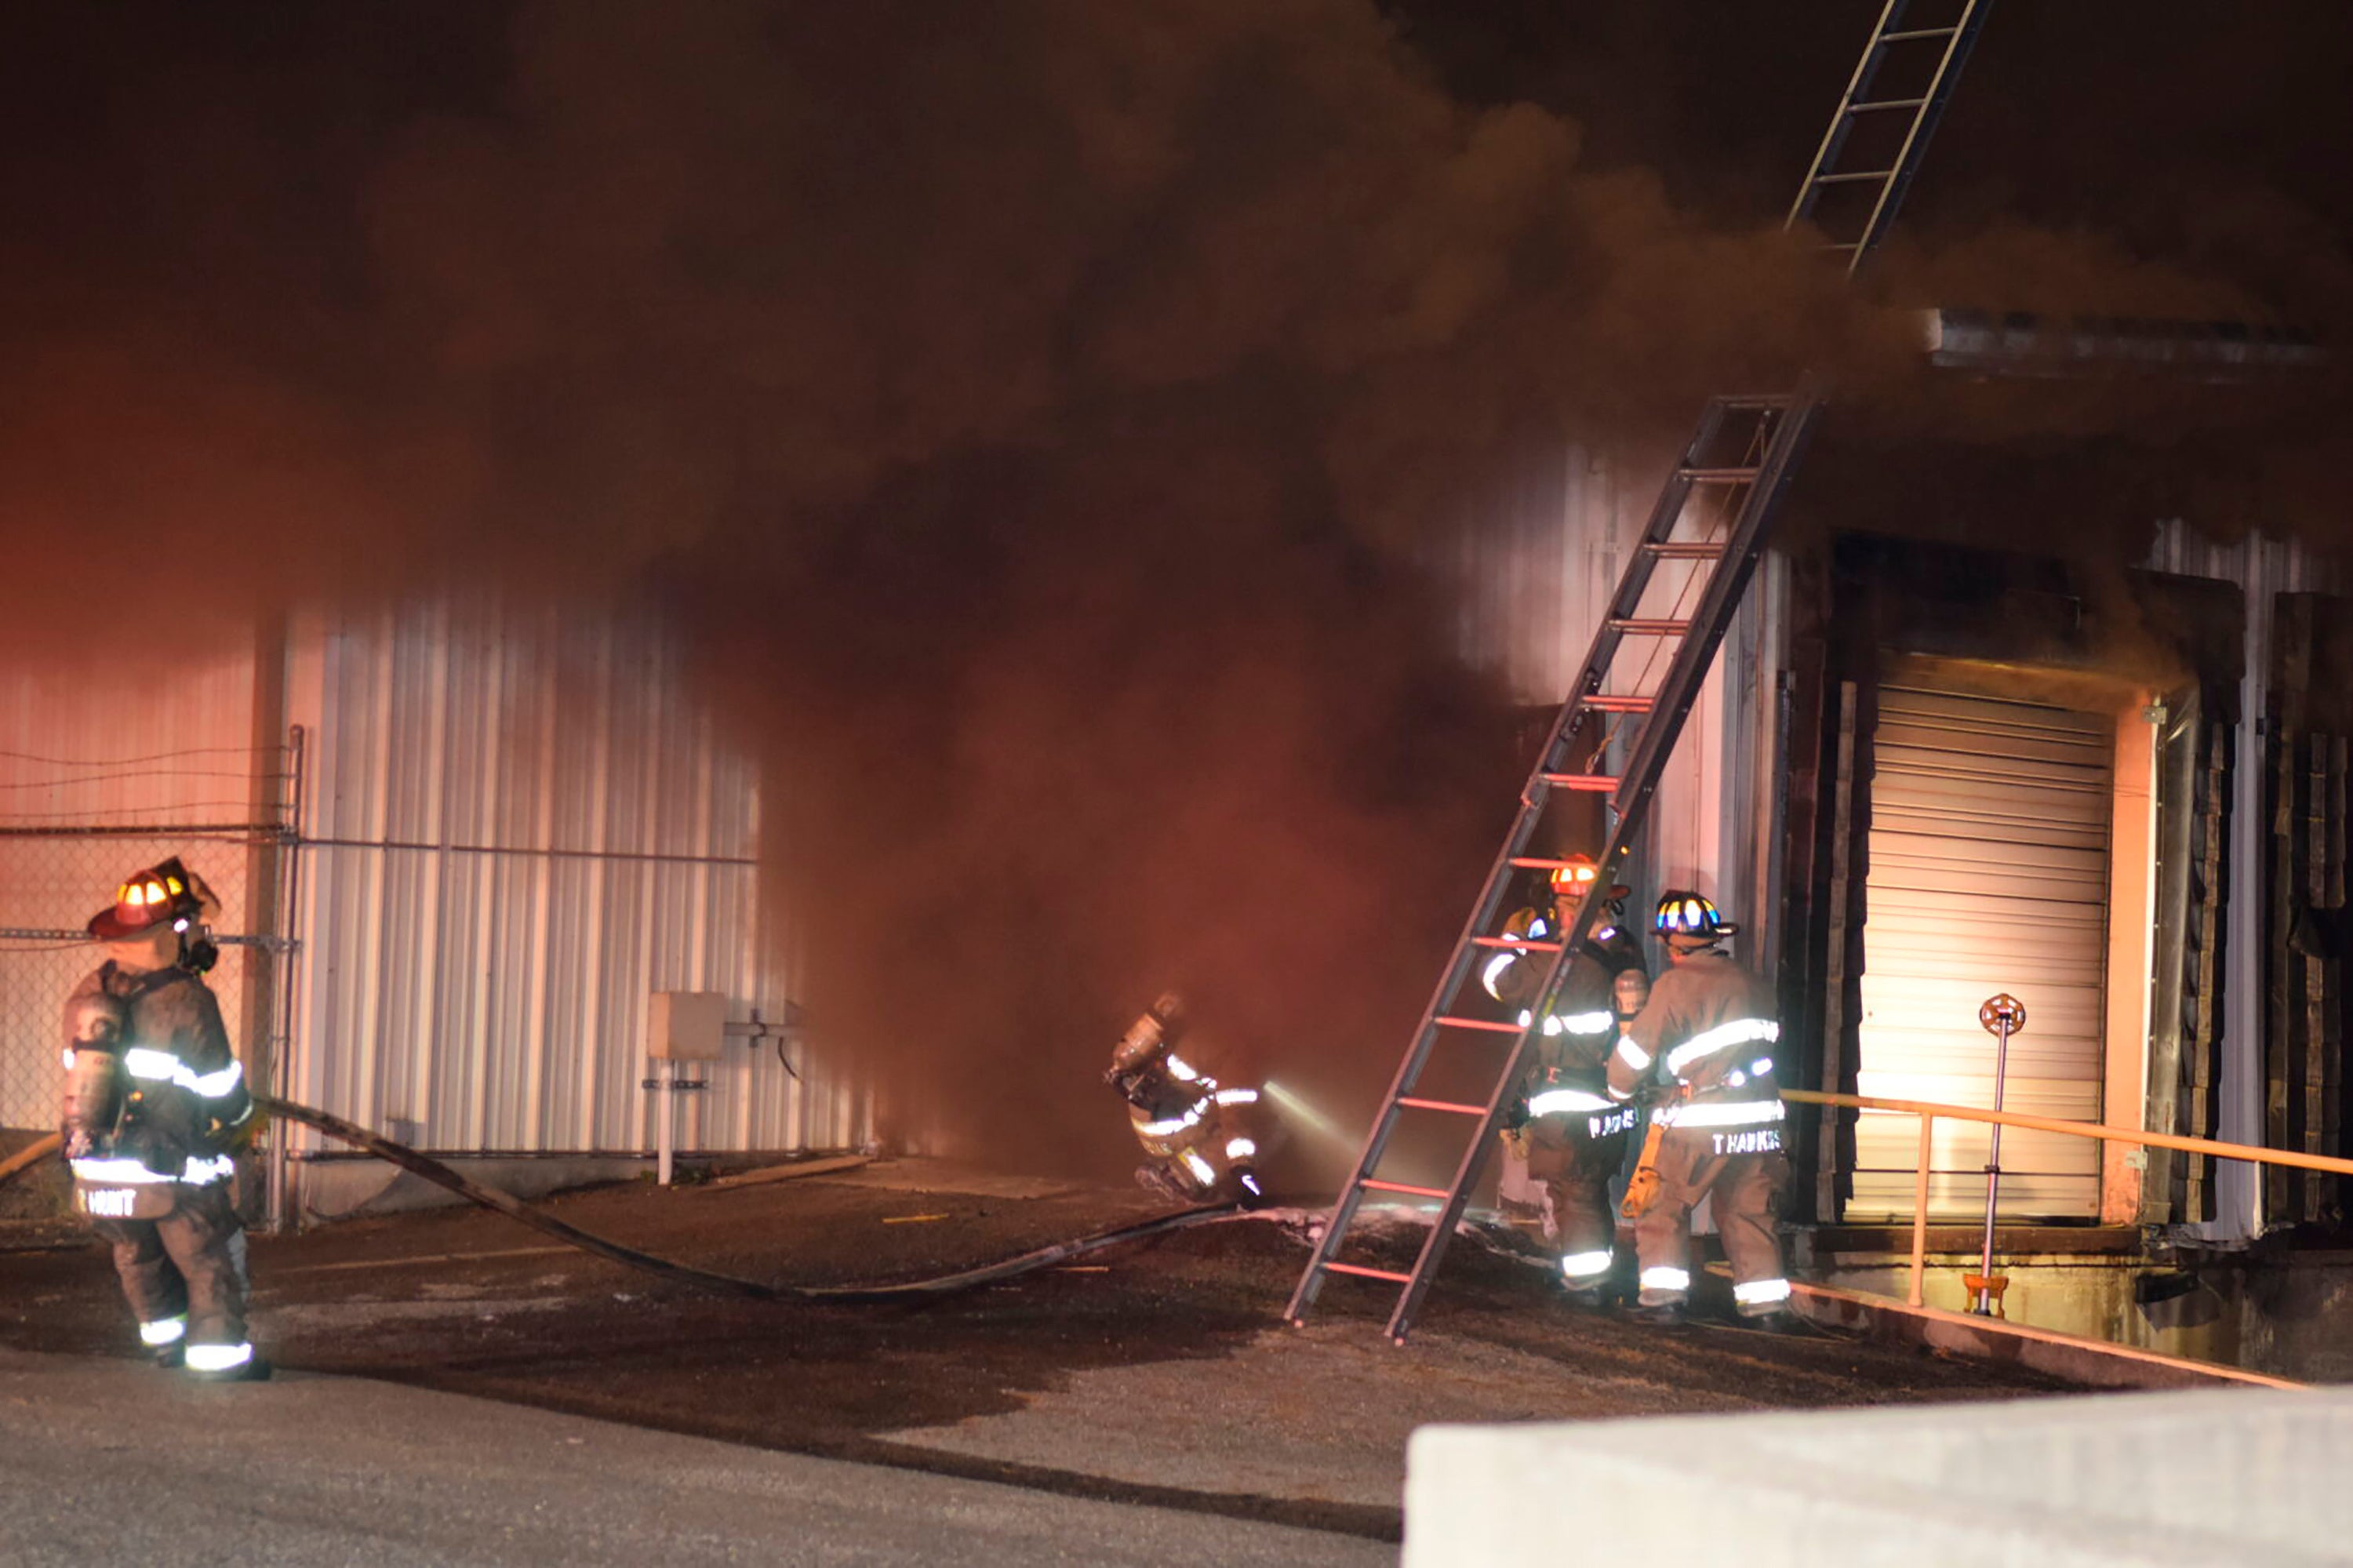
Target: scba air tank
x,y
94,1074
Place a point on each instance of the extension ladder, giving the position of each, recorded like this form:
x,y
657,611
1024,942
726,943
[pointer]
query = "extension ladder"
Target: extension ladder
x,y
1711,519
1710,523
1872,147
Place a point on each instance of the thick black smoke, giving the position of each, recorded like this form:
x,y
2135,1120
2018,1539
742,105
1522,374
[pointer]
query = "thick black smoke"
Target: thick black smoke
x,y
1035,407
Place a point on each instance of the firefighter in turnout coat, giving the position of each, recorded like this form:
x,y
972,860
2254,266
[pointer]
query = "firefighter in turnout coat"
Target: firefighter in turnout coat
x,y
155,1102
1704,1047
1191,1130
1564,1123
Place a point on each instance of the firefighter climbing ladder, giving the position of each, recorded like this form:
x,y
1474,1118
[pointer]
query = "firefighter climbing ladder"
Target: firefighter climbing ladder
x,y
1697,552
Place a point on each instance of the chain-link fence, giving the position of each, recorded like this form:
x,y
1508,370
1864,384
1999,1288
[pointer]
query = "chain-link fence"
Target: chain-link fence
x,y
51,880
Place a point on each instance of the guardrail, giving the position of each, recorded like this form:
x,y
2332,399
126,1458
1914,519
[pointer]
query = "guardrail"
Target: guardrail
x,y
1927,1111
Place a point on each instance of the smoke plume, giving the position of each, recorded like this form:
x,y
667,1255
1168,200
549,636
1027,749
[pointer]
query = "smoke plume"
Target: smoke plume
x,y
1035,409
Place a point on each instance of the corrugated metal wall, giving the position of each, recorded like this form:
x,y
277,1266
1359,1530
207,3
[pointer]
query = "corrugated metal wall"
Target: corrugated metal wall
x,y
519,825
1532,578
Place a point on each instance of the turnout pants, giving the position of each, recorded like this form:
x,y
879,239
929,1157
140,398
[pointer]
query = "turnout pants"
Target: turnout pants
x,y
1695,1162
1577,1169
186,1267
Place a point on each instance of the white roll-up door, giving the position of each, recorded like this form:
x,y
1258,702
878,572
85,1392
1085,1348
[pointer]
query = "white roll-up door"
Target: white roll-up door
x,y
1988,872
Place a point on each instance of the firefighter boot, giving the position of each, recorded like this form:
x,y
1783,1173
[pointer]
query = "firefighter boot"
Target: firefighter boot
x,y
1785,1323
164,1339
225,1363
1585,1281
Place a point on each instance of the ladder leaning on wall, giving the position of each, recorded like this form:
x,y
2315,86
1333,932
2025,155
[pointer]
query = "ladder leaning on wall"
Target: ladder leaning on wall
x,y
1651,653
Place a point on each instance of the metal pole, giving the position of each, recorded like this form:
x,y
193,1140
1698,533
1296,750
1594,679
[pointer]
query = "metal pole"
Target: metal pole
x,y
1920,1208
665,1115
282,1216
2000,1014
1993,1174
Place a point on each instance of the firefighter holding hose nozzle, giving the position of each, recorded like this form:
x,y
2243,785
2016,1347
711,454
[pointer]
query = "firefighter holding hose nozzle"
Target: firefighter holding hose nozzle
x,y
1199,1142
1701,1051
154,1104
1564,1123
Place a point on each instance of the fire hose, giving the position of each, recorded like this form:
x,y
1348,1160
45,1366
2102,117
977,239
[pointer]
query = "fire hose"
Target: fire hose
x,y
441,1175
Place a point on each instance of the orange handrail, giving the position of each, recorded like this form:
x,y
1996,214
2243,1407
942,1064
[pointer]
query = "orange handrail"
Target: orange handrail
x,y
1929,1111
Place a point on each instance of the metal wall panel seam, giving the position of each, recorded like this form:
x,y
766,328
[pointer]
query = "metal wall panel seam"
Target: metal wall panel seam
x,y
357,1095
424,1005
484,953
541,965
592,1018
642,939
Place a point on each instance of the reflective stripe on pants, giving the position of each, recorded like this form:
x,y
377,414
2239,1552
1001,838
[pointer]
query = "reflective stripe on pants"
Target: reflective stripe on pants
x,y
1746,1189
183,1264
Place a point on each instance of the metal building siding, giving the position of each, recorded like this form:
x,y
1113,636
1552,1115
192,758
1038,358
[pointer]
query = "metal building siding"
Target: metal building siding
x,y
83,748
497,1001
1988,872
1532,577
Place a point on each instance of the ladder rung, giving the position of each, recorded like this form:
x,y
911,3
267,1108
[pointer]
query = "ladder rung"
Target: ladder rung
x,y
1401,1187
1753,401
1857,177
1640,627
1617,703
1843,245
1539,863
1885,103
1692,550
1907,37
1516,944
1357,1268
1592,783
1444,1104
1488,1024
1715,475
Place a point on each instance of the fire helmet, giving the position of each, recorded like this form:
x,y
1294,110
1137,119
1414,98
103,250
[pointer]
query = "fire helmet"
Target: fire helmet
x,y
1576,877
168,895
1683,914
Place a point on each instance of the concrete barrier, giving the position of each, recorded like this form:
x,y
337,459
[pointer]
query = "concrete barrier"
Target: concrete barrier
x,y
2161,1478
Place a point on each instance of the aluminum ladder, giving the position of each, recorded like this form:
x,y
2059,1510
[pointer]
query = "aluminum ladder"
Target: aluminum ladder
x,y
1713,515
1706,531
1872,147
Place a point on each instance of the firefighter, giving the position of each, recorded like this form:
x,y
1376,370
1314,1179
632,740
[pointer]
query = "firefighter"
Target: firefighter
x,y
1200,1149
1562,1123
1702,1051
156,1103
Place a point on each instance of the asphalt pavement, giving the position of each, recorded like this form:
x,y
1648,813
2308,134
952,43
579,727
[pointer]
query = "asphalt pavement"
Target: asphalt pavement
x,y
110,1461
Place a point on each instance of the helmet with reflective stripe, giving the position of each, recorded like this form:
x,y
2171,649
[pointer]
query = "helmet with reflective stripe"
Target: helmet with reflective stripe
x,y
1576,877
1686,916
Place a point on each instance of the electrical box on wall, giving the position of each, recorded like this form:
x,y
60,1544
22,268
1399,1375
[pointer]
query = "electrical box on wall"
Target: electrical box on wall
x,y
686,1025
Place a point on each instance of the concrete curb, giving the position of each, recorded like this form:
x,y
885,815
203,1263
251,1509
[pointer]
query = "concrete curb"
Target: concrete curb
x,y
2095,1364
2098,1480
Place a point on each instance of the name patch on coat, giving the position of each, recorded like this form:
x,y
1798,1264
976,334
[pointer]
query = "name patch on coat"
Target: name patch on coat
x,y
1761,1141
1611,1122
